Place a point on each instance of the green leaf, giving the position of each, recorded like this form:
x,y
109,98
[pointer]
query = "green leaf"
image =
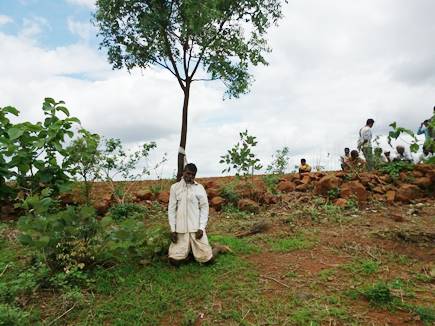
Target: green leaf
x,y
25,239
15,132
64,110
11,110
414,148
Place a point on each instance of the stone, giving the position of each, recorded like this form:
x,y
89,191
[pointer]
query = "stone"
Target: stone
x,y
391,196
163,197
417,174
341,202
286,186
354,189
248,205
144,195
408,192
326,183
217,202
379,190
102,205
302,187
270,199
306,179
210,184
212,192
423,182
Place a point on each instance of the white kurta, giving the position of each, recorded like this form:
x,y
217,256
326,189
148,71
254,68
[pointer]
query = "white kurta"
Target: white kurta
x,y
188,207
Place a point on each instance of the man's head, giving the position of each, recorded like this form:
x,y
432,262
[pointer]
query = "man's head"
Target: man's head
x,y
303,161
189,172
346,151
426,123
354,154
400,149
387,154
425,151
370,123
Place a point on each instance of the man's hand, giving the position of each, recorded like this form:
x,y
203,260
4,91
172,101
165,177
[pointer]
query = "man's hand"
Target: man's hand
x,y
174,237
199,234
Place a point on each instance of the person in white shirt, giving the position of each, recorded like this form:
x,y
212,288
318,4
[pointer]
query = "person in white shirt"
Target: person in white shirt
x,y
188,217
344,158
401,155
425,155
365,142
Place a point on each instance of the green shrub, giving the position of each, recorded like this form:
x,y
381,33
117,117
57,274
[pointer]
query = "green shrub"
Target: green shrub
x,y
271,182
333,193
394,168
123,211
378,294
11,316
229,193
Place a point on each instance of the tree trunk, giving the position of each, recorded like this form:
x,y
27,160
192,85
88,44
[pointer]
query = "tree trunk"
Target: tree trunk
x,y
183,131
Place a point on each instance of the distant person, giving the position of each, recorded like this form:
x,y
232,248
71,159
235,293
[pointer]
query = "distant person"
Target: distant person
x,y
304,167
355,163
387,156
379,157
365,142
401,155
188,217
344,157
426,155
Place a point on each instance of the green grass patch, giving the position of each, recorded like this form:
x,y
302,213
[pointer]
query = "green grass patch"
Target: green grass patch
x,y
237,245
296,242
363,267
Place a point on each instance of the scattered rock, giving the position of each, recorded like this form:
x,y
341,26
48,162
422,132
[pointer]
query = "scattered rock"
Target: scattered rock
x,y
163,197
248,205
326,183
270,199
302,187
144,195
341,202
217,202
408,192
379,190
354,189
391,196
286,186
259,227
306,179
423,182
212,192
210,184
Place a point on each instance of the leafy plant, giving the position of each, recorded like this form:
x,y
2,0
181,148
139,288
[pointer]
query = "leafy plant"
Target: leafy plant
x,y
123,211
34,153
83,158
241,158
11,316
378,294
229,193
394,168
333,193
271,182
279,162
117,162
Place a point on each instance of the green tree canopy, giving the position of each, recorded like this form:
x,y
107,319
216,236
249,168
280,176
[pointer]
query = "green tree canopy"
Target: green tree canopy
x,y
224,37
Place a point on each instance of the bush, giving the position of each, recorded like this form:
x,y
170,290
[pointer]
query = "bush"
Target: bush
x,y
229,193
271,182
394,168
11,316
122,211
378,294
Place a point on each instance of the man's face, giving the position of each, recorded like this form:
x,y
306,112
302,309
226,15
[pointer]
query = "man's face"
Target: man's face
x,y
188,176
400,150
346,151
354,155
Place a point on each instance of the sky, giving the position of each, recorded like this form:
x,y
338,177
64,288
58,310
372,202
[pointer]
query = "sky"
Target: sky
x,y
333,65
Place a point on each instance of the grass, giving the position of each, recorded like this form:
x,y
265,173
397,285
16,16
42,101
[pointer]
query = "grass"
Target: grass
x,y
363,267
287,244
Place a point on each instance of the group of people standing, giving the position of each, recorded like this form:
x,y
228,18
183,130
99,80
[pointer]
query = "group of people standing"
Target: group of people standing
x,y
351,159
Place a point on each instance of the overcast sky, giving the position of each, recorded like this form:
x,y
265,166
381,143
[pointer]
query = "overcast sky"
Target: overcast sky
x,y
334,64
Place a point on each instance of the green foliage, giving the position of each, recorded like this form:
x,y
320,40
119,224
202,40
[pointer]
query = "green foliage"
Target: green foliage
x,y
378,294
271,182
83,158
116,162
229,193
299,241
394,168
241,158
34,154
11,316
364,267
234,211
333,193
124,211
426,314
397,131
279,163
184,35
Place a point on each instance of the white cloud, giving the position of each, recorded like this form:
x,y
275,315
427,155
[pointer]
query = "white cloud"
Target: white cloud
x,y
32,27
5,20
86,3
84,30
333,65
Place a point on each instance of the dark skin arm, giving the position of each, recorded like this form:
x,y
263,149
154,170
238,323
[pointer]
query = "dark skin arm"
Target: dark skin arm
x,y
199,234
174,237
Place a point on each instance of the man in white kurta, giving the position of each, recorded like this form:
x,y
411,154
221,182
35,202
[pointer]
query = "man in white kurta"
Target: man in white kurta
x,y
188,217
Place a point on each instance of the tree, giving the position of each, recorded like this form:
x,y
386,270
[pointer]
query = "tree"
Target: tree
x,y
183,35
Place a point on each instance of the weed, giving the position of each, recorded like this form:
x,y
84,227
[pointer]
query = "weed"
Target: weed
x,y
364,267
234,211
238,246
290,244
378,294
271,182
129,210
333,193
229,193
13,316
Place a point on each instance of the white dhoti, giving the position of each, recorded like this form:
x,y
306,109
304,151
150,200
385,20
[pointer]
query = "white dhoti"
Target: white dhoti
x,y
201,249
